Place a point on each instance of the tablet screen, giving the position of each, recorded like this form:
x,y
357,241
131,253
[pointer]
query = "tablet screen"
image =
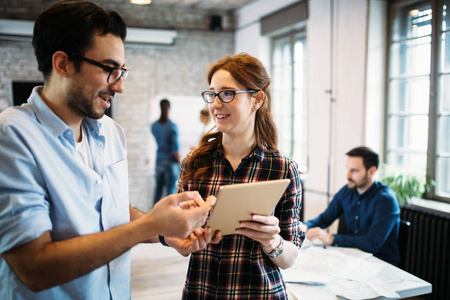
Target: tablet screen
x,y
238,202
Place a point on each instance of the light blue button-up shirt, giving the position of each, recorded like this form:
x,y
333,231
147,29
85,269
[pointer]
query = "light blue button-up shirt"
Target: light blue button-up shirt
x,y
45,186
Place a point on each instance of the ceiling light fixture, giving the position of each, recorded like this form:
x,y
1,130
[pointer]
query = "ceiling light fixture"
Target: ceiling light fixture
x,y
141,2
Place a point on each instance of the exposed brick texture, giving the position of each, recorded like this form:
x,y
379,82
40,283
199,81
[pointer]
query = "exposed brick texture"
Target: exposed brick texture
x,y
173,70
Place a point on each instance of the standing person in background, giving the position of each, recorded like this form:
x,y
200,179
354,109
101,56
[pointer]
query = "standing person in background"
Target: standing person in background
x,y
205,118
208,124
369,207
244,265
66,225
167,155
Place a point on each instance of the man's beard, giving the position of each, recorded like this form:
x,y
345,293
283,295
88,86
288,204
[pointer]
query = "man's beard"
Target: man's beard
x,y
360,184
82,104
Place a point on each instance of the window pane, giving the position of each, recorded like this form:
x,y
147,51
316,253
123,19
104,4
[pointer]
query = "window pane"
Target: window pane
x,y
408,133
446,15
444,102
300,105
411,57
298,75
289,90
442,177
300,130
413,161
445,49
442,187
443,135
282,91
409,96
412,21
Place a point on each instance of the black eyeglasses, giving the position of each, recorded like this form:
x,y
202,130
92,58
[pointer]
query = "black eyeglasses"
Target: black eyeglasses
x,y
224,96
114,74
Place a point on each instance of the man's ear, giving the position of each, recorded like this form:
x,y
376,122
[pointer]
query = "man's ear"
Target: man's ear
x,y
61,64
372,170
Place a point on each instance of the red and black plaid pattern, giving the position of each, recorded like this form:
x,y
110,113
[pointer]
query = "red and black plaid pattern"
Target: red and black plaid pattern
x,y
237,268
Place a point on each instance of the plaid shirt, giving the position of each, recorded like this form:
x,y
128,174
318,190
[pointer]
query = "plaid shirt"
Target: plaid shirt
x,y
237,268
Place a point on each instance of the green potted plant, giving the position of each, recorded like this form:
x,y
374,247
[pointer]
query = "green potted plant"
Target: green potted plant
x,y
405,183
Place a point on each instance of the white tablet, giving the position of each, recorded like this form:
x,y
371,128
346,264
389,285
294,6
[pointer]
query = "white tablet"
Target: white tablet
x,y
238,202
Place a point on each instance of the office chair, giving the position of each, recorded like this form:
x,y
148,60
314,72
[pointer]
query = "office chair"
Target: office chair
x,y
403,238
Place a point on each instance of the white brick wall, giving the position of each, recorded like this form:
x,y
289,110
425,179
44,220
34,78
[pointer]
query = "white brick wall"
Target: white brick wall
x,y
155,70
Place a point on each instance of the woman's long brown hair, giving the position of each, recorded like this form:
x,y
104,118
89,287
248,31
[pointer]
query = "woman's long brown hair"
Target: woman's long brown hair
x,y
251,73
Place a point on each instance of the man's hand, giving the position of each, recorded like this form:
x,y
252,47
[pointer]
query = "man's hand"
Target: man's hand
x,y
197,240
180,214
319,233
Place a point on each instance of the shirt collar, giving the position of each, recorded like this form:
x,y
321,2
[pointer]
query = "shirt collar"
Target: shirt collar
x,y
44,114
95,125
369,191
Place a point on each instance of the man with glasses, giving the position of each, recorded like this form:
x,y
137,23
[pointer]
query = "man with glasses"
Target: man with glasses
x,y
66,226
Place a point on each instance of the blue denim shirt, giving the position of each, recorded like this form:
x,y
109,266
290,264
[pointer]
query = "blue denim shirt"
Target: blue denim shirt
x,y
45,186
373,220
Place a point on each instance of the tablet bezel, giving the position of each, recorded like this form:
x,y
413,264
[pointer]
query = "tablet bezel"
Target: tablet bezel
x,y
238,202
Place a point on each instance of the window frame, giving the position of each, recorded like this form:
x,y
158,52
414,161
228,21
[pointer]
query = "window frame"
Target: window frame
x,y
434,85
295,137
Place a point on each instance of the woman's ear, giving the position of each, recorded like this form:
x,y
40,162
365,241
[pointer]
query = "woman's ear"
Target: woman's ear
x,y
258,99
61,64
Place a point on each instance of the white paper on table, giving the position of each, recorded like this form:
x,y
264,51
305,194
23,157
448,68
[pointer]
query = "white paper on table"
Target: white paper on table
x,y
343,265
352,290
356,253
308,273
355,290
316,292
315,243
365,271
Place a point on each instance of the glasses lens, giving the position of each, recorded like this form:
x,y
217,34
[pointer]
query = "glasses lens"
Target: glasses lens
x,y
114,76
208,96
226,96
125,74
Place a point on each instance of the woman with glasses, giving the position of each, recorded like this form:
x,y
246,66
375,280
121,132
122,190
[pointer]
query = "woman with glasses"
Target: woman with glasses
x,y
244,265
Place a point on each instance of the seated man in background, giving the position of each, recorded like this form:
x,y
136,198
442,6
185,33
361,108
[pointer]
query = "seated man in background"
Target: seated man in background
x,y
369,207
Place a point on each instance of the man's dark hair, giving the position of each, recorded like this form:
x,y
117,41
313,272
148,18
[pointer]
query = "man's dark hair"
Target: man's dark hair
x,y
70,26
165,106
370,158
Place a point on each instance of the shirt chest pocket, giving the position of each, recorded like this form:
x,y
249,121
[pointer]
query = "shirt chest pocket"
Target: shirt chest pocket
x,y
117,184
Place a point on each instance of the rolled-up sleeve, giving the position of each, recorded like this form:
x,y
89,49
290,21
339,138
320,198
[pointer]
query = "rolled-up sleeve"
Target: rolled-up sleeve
x,y
24,209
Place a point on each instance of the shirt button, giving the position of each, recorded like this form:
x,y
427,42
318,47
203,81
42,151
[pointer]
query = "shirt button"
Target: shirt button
x,y
357,217
99,181
359,202
356,231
